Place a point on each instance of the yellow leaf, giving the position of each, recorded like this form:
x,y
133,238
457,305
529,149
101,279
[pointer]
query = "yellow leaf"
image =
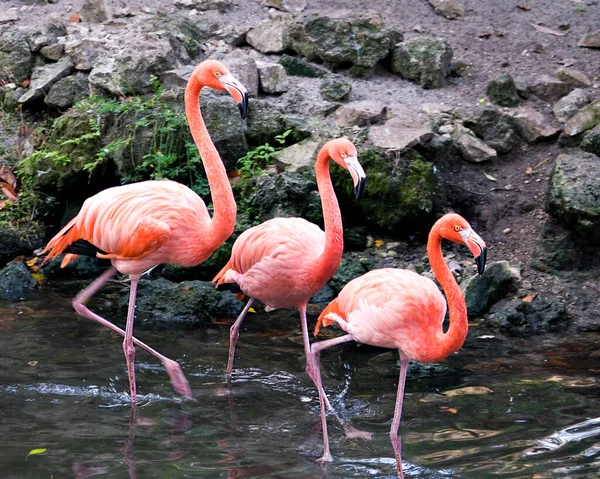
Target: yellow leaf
x,y
33,452
468,390
38,277
378,243
32,261
32,363
530,297
251,310
453,410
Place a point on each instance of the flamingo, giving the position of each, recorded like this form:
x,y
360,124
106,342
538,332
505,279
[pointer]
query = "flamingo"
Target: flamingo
x,y
400,309
141,225
283,262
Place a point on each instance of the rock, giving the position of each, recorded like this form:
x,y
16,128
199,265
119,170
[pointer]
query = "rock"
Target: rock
x,y
84,267
47,34
53,52
584,119
244,69
451,9
288,194
16,59
299,157
8,15
403,131
299,67
560,249
548,88
360,39
94,11
590,40
86,53
522,318
16,282
503,91
68,91
567,106
573,77
190,302
266,121
324,296
591,141
472,148
533,126
16,241
360,113
482,291
497,129
286,5
574,191
44,77
348,270
522,86
272,77
271,36
176,79
335,88
424,60
204,5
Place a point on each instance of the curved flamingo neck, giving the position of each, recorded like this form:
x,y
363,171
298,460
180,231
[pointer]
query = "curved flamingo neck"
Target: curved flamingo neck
x,y
454,338
330,258
223,220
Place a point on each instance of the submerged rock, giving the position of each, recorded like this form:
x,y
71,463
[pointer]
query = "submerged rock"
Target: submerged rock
x,y
528,318
503,91
424,60
16,282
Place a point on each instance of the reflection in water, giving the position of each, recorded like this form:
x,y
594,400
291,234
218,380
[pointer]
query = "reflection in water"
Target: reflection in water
x,y
576,432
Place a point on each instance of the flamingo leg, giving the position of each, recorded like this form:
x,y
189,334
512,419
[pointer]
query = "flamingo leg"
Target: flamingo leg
x,y
234,334
313,368
397,440
128,347
174,371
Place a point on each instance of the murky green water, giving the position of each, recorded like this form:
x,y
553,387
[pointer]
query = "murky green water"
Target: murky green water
x,y
63,387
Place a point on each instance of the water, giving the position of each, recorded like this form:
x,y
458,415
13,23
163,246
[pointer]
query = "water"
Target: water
x,y
63,388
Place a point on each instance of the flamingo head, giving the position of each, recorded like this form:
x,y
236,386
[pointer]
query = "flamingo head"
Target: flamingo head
x,y
214,74
455,228
343,152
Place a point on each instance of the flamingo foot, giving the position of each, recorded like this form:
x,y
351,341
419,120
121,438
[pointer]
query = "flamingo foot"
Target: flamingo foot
x,y
327,457
178,379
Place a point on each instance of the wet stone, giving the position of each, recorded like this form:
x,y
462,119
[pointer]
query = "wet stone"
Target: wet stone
x,y
16,282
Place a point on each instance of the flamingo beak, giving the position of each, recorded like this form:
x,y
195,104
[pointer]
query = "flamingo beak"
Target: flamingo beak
x,y
237,91
359,177
477,247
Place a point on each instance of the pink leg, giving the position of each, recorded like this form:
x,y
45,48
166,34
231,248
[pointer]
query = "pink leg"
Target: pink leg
x,y
128,347
313,368
174,371
397,440
234,334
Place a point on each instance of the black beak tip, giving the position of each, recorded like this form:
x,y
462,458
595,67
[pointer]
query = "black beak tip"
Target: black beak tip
x,y
480,261
360,186
243,106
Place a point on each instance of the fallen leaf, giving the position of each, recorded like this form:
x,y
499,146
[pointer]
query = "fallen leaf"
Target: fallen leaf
x,y
467,391
485,35
38,277
379,243
539,28
453,410
481,101
251,310
530,297
33,452
529,170
489,177
32,261
75,18
524,6
32,363
564,26
239,296
499,33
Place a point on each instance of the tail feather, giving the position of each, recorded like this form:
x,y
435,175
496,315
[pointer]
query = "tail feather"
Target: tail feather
x,y
328,314
62,240
220,277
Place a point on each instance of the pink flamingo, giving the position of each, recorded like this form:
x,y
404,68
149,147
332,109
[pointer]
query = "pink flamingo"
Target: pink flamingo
x,y
284,261
400,309
141,225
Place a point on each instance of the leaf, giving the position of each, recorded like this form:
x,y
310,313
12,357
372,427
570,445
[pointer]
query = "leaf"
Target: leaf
x,y
524,6
34,452
32,363
467,391
529,170
453,410
530,297
378,243
32,261
539,28
74,18
485,35
38,277
481,101
251,310
489,177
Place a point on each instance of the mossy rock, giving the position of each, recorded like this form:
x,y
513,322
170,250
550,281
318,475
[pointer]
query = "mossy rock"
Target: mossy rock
x,y
503,91
424,60
591,141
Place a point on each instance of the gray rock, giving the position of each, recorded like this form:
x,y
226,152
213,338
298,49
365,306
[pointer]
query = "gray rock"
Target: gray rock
x,y
53,52
324,296
272,35
16,59
244,68
176,79
335,88
533,126
590,40
360,113
549,88
47,34
298,67
522,86
44,77
495,127
360,39
573,77
591,141
574,191
266,120
16,282
584,119
349,269
204,5
14,242
68,91
8,15
299,157
86,53
451,9
567,106
295,6
272,77
503,91
472,148
482,291
523,319
560,249
84,267
424,60
405,130
94,11
190,302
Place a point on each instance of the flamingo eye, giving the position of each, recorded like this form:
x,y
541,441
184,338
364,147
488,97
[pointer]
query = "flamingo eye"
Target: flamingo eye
x,y
457,228
343,154
217,74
